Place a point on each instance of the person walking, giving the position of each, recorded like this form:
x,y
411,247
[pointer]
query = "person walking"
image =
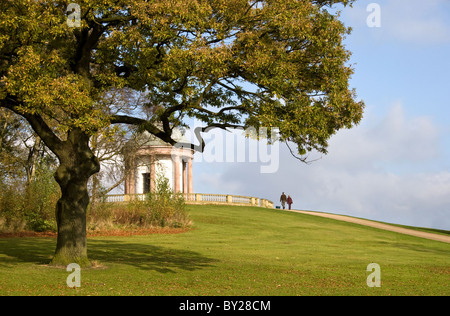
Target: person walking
x,y
283,200
289,201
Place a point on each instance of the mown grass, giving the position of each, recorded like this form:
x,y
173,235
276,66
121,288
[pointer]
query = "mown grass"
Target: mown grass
x,y
237,251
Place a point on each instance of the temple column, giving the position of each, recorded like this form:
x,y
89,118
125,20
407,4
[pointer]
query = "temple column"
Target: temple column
x,y
184,177
152,174
130,178
176,182
130,182
190,178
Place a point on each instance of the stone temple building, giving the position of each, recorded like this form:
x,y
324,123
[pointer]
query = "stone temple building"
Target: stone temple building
x,y
152,157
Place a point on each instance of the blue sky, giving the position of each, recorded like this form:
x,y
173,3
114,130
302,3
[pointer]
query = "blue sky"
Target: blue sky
x,y
394,166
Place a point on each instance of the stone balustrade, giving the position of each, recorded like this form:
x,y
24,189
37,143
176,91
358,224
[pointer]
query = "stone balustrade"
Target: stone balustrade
x,y
199,198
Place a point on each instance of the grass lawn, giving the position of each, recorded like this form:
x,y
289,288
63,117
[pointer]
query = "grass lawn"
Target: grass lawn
x,y
237,251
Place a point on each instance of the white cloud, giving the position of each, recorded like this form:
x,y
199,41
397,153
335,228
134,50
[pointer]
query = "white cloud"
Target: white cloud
x,y
363,175
418,199
213,182
409,21
394,139
418,20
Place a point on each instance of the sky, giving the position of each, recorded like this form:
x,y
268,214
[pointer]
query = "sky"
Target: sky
x,y
395,165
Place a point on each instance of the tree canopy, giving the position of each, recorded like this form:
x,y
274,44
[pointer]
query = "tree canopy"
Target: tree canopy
x,y
225,62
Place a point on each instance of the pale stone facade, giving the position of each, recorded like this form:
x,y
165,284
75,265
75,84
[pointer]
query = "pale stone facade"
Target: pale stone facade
x,y
156,157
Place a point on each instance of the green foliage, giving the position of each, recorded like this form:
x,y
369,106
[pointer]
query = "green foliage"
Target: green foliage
x,y
30,206
161,208
166,207
277,63
41,196
11,206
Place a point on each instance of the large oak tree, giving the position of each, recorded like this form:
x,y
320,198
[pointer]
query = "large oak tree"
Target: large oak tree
x,y
227,63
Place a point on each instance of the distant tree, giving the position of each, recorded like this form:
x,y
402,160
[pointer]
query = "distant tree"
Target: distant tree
x,y
10,152
21,150
227,63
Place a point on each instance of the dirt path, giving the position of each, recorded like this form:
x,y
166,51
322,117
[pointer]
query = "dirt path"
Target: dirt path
x,y
401,230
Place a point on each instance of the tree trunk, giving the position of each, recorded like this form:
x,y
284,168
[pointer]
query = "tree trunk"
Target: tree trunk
x,y
31,163
77,164
95,188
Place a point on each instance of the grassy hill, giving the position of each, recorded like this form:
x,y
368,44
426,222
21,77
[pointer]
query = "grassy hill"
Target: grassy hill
x,y
237,251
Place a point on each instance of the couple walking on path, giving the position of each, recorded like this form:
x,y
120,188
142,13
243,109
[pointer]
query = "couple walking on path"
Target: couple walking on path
x,y
284,200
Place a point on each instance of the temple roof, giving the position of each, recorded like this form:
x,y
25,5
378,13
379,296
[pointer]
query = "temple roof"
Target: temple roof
x,y
147,139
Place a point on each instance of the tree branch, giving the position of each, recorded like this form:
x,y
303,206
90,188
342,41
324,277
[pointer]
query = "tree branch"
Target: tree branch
x,y
304,160
38,124
152,129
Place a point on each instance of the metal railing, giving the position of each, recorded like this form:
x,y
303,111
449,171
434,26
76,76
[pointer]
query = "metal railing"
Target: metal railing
x,y
198,198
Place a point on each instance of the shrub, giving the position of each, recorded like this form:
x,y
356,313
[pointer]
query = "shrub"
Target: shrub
x,y
41,195
166,208
11,207
29,206
161,208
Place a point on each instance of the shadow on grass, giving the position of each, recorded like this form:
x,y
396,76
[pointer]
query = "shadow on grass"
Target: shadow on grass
x,y
106,252
27,250
146,257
